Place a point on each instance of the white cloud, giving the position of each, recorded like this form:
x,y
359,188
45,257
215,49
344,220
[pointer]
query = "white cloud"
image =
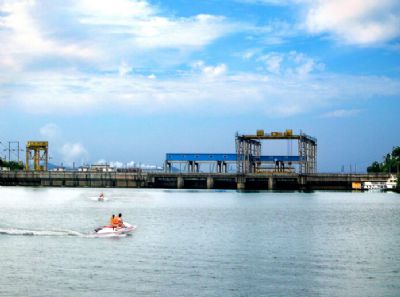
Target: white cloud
x,y
274,94
275,32
124,69
250,53
293,63
341,113
49,130
116,164
100,33
272,2
356,22
210,71
23,38
362,22
73,152
130,164
272,61
138,33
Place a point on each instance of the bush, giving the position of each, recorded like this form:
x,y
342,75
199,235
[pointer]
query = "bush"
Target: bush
x,y
13,165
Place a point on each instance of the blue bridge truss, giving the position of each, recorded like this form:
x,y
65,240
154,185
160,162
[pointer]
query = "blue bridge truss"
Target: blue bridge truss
x,y
202,157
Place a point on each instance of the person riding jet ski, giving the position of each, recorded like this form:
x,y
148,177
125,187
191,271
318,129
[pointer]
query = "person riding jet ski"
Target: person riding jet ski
x,y
116,227
114,221
120,221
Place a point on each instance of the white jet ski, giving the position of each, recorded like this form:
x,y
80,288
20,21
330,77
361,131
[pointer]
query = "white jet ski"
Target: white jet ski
x,y
110,230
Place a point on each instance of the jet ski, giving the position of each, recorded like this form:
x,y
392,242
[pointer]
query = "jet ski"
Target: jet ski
x,y
110,230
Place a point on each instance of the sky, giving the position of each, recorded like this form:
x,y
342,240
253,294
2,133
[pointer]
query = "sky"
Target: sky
x,y
127,81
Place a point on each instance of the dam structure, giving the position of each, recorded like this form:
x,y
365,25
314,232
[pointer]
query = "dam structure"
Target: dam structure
x,y
200,180
246,169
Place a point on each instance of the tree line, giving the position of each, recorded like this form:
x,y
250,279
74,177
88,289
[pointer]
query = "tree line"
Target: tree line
x,y
390,164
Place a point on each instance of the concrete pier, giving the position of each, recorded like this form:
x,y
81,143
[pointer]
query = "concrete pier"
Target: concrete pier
x,y
210,182
180,183
241,183
270,183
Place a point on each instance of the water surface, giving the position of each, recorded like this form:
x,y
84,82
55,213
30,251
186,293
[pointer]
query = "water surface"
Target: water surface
x,y
199,243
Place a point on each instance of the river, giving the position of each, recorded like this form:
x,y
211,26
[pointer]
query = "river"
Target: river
x,y
199,243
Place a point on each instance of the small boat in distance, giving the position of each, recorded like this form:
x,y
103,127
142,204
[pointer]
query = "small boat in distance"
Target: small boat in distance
x,y
101,197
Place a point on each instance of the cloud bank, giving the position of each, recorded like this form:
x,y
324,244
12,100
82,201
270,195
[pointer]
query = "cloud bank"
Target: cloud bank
x,y
87,57
354,22
362,22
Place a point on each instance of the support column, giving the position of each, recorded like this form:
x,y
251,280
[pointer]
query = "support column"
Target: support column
x,y
302,181
224,167
36,160
270,183
241,183
210,182
27,160
180,183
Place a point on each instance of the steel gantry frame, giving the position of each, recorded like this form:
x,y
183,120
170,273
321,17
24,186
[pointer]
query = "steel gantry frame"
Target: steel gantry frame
x,y
248,150
38,152
308,151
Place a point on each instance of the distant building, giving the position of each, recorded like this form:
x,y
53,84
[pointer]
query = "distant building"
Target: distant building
x,y
4,168
61,168
101,168
83,168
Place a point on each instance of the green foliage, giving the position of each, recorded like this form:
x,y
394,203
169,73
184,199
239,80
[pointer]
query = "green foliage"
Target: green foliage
x,y
375,167
390,164
396,152
12,165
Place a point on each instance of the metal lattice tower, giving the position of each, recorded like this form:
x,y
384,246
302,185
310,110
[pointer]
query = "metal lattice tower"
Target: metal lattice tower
x,y
308,153
246,150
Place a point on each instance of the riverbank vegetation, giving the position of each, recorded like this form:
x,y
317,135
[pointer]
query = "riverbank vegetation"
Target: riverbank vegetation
x,y
13,165
390,164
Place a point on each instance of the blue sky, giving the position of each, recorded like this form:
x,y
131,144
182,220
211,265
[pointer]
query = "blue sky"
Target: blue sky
x,y
128,81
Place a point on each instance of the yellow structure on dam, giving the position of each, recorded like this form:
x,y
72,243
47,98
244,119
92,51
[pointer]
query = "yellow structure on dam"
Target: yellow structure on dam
x,y
38,152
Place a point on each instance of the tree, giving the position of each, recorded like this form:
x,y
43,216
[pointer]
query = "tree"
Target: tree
x,y
396,153
375,167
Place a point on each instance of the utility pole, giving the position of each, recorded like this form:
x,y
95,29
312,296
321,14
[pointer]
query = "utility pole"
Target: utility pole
x,y
13,149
